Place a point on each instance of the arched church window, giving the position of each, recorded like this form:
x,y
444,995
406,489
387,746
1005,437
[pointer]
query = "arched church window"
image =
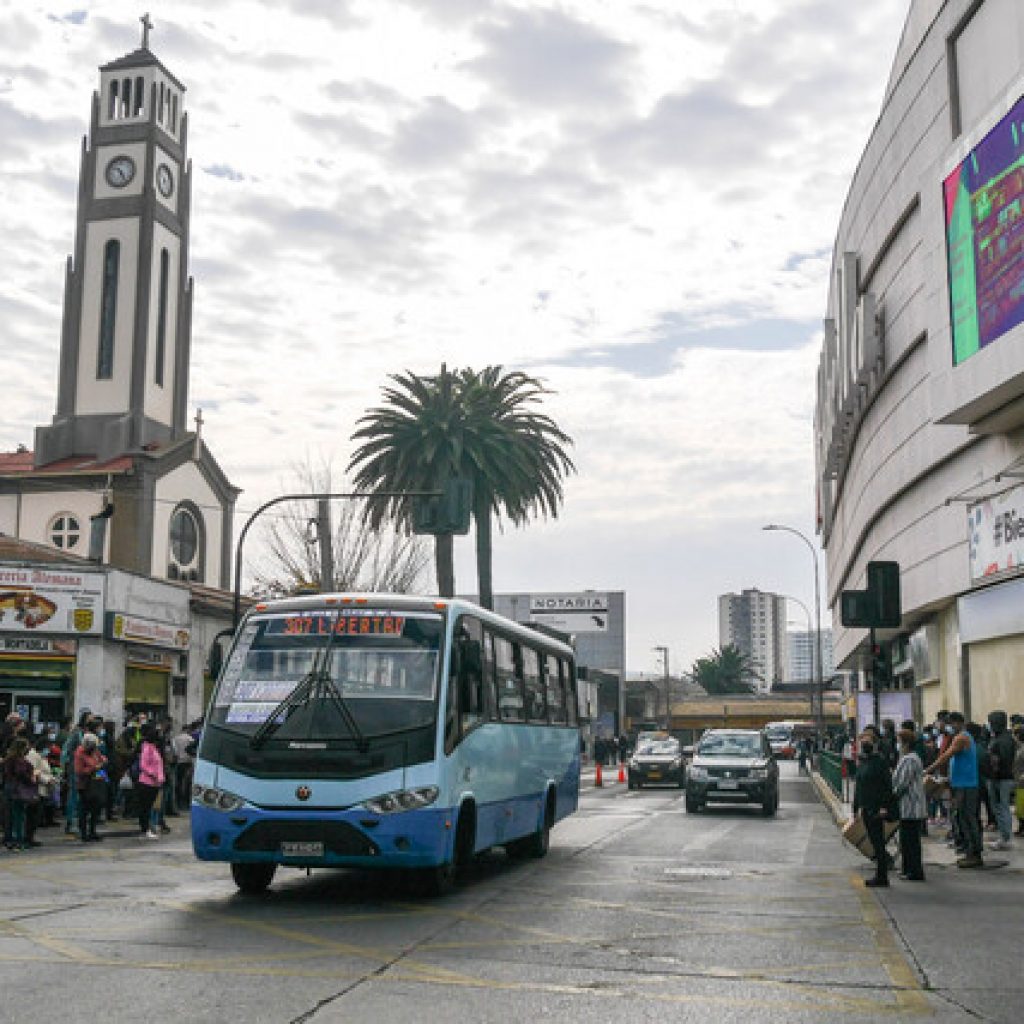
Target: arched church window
x,y
112,109
160,105
64,531
126,97
186,543
108,309
161,317
140,92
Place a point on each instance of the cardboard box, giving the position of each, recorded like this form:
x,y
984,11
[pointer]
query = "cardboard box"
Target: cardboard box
x,y
856,834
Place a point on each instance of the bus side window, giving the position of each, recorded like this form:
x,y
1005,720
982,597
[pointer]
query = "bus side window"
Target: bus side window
x,y
510,693
555,690
490,695
571,699
469,681
535,711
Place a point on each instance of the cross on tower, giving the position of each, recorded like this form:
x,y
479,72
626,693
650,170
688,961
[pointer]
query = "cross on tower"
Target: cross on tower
x,y
146,26
197,448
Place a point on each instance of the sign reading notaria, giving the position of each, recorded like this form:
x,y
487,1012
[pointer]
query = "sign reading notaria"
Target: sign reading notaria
x,y
584,612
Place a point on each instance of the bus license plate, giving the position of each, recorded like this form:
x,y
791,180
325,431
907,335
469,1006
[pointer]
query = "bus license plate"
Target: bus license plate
x,y
728,784
302,849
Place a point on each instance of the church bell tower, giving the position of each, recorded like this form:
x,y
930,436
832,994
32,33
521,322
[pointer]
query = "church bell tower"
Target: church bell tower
x,y
126,330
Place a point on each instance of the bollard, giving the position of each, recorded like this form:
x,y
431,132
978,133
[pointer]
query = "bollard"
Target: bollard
x,y
598,781
622,772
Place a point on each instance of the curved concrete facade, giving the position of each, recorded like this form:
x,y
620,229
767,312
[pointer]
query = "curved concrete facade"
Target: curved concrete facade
x,y
907,442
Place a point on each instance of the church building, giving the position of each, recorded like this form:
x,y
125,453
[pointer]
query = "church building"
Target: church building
x,y
119,445
116,530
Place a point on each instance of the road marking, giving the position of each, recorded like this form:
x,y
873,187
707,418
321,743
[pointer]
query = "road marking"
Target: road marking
x,y
908,990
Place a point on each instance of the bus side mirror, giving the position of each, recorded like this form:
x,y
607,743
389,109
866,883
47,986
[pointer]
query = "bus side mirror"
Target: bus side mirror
x,y
215,662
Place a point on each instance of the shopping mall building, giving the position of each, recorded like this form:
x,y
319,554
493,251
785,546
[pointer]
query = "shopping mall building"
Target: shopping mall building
x,y
919,424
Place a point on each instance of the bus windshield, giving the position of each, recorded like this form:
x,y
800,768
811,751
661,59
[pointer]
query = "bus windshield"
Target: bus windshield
x,y
383,665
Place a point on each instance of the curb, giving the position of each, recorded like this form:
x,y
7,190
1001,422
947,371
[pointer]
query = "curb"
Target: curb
x,y
834,805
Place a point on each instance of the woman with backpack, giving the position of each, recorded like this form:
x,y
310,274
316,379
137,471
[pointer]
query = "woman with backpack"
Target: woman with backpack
x,y
150,778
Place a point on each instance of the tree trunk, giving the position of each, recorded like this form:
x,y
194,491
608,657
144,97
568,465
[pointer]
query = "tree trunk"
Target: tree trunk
x,y
444,564
484,579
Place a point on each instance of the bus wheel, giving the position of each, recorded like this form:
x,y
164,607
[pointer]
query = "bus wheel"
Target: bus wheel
x,y
252,879
436,881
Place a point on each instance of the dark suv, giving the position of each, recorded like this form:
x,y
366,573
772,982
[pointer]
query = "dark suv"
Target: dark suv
x,y
657,761
733,766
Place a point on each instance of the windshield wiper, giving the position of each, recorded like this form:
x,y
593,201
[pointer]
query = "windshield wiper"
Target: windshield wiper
x,y
317,684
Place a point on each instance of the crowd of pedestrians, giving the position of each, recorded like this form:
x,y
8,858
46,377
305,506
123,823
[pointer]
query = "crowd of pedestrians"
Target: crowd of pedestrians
x,y
953,775
86,772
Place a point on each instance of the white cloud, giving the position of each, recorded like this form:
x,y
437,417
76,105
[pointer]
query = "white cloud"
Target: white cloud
x,y
635,200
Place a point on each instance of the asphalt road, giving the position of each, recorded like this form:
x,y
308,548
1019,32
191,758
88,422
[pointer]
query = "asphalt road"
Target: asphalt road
x,y
640,912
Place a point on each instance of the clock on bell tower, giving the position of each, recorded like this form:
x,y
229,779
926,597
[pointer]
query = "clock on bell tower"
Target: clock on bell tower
x,y
126,331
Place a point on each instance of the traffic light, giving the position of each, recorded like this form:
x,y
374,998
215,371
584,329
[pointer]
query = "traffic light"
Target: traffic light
x,y
447,512
855,609
884,584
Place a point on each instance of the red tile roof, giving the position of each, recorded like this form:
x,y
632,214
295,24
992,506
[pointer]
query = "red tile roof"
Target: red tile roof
x,y
21,464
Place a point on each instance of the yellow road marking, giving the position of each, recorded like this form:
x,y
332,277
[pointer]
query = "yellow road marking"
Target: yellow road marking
x,y
907,986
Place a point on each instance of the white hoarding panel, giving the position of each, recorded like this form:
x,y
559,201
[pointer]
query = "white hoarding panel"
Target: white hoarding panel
x,y
51,601
585,612
995,529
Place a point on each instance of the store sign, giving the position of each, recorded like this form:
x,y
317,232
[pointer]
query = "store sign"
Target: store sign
x,y
149,658
147,632
995,529
51,601
22,645
585,612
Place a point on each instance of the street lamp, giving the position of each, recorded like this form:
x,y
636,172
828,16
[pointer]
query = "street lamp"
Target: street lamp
x,y
820,715
668,711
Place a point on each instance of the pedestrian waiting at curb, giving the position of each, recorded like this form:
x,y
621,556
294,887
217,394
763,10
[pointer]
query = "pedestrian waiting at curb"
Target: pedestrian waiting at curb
x,y
964,778
908,786
151,779
873,799
91,784
1001,755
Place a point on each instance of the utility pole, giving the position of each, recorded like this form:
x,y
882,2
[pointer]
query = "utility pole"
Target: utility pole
x,y
323,529
664,658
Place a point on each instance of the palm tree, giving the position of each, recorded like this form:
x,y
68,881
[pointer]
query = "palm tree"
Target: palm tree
x,y
411,443
478,425
728,670
515,456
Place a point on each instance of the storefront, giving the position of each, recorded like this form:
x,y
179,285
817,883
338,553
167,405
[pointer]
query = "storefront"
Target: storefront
x,y
44,615
156,660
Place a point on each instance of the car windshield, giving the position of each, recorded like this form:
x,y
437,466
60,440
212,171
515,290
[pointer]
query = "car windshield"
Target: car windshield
x,y
383,664
659,747
730,745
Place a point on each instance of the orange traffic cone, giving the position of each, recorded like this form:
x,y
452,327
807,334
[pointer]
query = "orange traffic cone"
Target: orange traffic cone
x,y
598,781
622,772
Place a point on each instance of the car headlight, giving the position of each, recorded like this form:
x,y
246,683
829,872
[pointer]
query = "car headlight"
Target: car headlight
x,y
216,799
633,763
677,763
759,773
698,774
402,800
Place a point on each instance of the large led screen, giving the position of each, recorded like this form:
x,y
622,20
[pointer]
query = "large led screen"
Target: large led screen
x,y
985,237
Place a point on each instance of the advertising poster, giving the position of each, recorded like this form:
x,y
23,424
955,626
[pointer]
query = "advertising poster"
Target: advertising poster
x,y
585,612
985,238
51,601
995,532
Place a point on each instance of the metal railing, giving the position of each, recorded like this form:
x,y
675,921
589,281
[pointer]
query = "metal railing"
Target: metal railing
x,y
830,767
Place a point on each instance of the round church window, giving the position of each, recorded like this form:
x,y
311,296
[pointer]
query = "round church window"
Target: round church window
x,y
65,531
184,538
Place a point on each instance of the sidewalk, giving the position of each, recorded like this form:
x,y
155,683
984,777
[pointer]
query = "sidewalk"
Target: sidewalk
x,y
933,845
55,838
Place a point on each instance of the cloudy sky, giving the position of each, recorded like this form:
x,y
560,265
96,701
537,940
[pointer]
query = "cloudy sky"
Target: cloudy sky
x,y
634,199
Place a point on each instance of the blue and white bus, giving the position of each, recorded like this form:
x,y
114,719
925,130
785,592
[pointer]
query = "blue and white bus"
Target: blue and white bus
x,y
384,731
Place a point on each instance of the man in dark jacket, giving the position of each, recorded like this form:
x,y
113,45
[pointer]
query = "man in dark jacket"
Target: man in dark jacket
x,y
873,798
1001,751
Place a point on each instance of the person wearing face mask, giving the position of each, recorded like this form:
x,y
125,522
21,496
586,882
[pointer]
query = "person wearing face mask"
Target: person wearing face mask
x,y
961,757
873,799
908,785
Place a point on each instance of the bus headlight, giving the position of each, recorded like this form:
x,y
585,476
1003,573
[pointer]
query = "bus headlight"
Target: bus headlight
x,y
216,799
402,800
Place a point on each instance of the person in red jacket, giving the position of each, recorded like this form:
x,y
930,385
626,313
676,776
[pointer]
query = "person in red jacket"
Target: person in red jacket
x,y
90,778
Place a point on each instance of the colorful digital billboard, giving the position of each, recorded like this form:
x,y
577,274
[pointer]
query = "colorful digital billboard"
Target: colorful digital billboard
x,y
984,204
